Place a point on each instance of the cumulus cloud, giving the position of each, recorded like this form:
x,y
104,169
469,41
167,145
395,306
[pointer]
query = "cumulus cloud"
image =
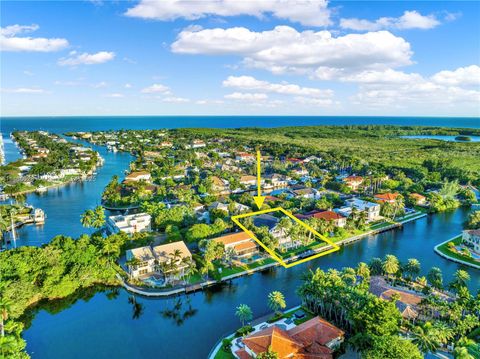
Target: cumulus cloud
x,y
75,59
306,12
409,20
463,76
445,89
246,96
284,49
9,41
252,84
157,88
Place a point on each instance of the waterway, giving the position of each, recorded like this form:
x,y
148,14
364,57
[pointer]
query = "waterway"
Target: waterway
x,y
443,138
106,325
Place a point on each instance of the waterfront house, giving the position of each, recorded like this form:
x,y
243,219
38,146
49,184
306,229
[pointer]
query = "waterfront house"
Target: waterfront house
x,y
471,238
353,182
145,261
337,219
172,259
418,199
159,260
372,209
285,241
132,223
386,197
315,338
241,244
138,176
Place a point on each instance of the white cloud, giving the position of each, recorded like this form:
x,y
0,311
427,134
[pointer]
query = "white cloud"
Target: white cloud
x,y
100,84
444,90
208,102
284,49
115,95
157,88
306,12
409,20
9,41
76,59
25,90
128,86
313,101
252,84
246,96
463,76
387,76
173,99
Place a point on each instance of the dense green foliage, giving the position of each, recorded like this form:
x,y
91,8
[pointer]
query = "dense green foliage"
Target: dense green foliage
x,y
29,275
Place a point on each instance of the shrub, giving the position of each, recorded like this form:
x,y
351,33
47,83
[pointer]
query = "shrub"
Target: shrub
x,y
244,331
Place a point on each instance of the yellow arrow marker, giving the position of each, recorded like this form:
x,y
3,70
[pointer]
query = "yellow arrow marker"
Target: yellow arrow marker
x,y
259,198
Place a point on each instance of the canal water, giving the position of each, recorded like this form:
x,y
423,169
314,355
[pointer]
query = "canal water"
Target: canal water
x,y
106,325
64,205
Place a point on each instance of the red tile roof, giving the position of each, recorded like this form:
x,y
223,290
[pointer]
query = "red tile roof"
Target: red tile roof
x,y
232,238
307,340
274,337
327,215
386,197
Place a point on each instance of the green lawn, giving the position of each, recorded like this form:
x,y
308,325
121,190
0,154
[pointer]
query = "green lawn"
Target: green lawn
x,y
222,354
226,271
445,250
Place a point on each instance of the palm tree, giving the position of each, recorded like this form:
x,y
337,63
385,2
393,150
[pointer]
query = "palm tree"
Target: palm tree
x,y
376,266
276,301
391,265
132,263
363,270
412,268
460,280
244,313
435,278
424,337
99,217
87,218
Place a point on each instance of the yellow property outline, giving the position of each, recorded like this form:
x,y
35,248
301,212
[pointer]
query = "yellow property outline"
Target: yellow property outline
x,y
236,218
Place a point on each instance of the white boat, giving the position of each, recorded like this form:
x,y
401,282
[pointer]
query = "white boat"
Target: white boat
x,y
41,189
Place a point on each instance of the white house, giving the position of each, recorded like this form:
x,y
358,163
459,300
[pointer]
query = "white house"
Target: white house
x,y
132,223
372,209
471,238
145,258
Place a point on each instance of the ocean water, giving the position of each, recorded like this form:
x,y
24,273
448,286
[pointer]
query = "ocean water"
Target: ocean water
x,y
97,123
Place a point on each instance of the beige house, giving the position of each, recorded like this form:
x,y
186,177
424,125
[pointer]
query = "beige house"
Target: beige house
x,y
241,244
138,176
159,260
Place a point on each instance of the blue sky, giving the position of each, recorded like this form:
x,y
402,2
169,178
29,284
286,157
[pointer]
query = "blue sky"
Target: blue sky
x,y
230,57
